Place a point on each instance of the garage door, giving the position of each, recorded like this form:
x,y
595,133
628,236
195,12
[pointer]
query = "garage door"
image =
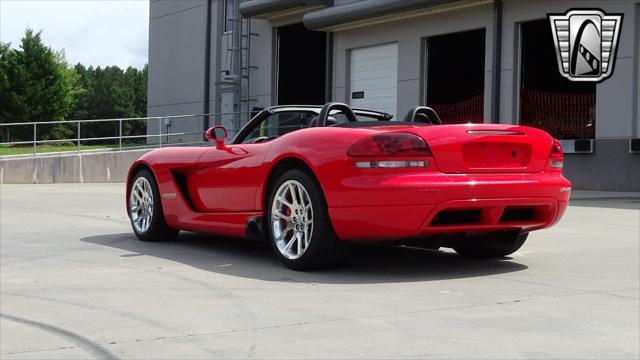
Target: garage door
x,y
374,78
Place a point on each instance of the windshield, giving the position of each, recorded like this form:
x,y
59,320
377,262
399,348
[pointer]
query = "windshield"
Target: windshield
x,y
286,121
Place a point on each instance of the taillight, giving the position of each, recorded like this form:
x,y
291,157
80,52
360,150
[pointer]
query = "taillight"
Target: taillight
x,y
556,157
556,148
391,145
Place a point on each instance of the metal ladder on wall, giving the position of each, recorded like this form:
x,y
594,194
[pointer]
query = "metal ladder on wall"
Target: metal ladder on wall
x,y
237,67
245,64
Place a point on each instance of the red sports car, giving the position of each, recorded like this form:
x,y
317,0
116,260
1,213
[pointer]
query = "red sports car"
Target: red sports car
x,y
313,180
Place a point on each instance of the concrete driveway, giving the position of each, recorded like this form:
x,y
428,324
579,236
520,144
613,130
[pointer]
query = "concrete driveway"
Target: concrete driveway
x,y
75,283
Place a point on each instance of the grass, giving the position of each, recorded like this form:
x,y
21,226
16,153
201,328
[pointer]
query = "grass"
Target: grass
x,y
47,148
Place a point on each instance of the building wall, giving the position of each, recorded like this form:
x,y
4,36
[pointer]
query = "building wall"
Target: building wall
x,y
410,35
177,54
177,31
262,78
614,97
610,167
259,82
176,70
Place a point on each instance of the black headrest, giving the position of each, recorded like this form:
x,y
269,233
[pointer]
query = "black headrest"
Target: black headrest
x,y
423,114
330,121
421,118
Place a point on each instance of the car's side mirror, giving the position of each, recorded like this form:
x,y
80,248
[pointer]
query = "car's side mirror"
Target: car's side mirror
x,y
217,134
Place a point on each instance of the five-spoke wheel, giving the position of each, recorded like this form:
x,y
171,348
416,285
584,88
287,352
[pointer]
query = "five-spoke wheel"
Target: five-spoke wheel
x,y
292,219
298,223
141,205
145,209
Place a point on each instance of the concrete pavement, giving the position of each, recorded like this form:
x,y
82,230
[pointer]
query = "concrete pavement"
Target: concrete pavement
x,y
76,283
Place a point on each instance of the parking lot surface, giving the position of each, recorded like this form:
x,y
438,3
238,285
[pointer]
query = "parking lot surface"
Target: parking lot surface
x,y
76,283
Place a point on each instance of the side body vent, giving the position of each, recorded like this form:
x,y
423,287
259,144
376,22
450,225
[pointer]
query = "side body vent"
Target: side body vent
x,y
181,182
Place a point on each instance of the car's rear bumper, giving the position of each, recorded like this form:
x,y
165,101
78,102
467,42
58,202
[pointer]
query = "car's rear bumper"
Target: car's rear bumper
x,y
455,204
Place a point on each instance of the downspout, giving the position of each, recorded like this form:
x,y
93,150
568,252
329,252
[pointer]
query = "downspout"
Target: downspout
x,y
207,69
635,123
218,61
329,69
496,62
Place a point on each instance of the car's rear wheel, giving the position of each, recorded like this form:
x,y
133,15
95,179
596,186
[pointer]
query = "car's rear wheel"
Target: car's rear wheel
x,y
145,209
491,246
298,224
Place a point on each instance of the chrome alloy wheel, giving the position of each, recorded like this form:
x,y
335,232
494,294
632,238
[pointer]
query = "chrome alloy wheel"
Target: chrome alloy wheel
x,y
141,205
292,219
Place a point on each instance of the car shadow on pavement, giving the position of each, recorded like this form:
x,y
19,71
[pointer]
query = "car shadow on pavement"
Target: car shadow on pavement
x,y
252,259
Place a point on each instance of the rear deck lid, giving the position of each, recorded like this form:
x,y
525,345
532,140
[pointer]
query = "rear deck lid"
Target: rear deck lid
x,y
487,148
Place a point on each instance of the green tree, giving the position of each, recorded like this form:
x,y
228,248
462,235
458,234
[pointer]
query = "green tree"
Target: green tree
x,y
138,81
82,109
140,90
4,81
36,84
111,93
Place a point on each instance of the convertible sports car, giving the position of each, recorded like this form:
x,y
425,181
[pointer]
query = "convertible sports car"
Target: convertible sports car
x,y
313,180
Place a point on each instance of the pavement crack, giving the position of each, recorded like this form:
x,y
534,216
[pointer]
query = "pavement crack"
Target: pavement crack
x,y
586,291
539,284
39,350
95,217
372,316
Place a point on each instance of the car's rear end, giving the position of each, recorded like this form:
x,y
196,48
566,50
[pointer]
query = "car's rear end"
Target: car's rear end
x,y
414,182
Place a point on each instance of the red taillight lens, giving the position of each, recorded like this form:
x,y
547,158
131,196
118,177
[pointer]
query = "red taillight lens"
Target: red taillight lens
x,y
556,156
391,145
556,148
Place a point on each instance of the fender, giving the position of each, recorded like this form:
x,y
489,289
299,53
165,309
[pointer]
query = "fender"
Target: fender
x,y
323,150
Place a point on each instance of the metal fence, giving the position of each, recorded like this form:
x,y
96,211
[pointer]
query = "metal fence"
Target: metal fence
x,y
158,131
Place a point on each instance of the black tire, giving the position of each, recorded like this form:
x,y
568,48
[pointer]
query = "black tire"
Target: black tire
x,y
491,246
324,249
158,229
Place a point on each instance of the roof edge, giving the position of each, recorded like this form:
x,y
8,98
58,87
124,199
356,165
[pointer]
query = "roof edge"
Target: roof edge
x,y
260,8
367,11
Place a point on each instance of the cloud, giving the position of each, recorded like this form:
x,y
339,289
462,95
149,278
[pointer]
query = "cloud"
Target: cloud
x,y
91,32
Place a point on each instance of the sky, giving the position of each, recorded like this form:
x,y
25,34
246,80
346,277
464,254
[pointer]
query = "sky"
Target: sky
x,y
92,32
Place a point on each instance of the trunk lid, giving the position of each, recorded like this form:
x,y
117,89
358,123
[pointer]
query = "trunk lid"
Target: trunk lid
x,y
487,148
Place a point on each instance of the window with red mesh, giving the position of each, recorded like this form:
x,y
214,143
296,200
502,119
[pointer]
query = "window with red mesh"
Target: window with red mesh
x,y
455,76
565,109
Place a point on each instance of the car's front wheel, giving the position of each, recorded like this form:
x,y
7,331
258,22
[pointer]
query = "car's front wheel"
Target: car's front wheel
x,y
145,209
298,224
491,246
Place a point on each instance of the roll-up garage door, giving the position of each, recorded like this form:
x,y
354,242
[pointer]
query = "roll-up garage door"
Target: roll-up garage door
x,y
374,78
